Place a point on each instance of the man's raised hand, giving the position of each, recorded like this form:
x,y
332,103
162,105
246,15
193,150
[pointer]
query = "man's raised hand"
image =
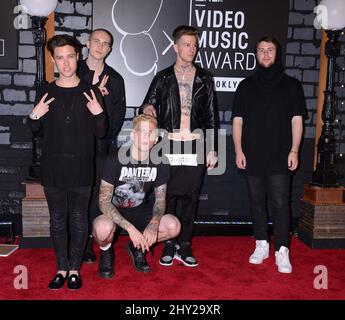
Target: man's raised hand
x,y
93,104
102,86
43,106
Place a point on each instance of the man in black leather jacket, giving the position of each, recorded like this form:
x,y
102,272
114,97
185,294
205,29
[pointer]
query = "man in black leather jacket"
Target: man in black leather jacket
x,y
181,97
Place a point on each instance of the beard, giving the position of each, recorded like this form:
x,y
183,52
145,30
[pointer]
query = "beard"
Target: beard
x,y
266,65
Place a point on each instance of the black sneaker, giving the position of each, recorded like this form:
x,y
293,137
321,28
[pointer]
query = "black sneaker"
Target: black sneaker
x,y
168,253
106,263
138,258
185,255
89,255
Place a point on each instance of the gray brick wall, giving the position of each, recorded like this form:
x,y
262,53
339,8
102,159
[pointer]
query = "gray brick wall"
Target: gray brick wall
x,y
15,145
303,62
303,54
75,17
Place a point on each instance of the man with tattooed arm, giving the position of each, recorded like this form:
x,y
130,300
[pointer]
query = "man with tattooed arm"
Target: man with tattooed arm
x,y
125,185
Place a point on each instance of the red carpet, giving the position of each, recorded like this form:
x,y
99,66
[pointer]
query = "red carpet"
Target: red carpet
x,y
223,274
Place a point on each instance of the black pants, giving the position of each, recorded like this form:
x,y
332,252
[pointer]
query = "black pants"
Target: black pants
x,y
94,210
184,207
139,220
68,224
275,190
184,185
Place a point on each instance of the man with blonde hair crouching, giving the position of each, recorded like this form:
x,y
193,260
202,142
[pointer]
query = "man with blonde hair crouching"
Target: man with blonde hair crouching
x,y
123,194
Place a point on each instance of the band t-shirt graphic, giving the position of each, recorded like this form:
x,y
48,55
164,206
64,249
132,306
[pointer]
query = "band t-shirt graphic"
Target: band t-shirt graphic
x,y
133,182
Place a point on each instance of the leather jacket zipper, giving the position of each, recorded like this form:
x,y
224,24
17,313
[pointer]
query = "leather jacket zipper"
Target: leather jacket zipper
x,y
193,101
198,91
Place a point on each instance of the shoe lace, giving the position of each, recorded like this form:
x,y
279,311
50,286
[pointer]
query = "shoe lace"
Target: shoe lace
x,y
283,258
140,256
106,257
259,250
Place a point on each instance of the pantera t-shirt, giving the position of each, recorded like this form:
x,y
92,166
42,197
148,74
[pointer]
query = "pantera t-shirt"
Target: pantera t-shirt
x,y
133,182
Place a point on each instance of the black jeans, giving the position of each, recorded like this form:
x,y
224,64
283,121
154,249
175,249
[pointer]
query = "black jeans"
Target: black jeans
x,y
186,213
68,224
275,190
94,210
184,187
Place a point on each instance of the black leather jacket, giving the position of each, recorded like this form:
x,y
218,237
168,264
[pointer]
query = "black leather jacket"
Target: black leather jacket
x,y
164,95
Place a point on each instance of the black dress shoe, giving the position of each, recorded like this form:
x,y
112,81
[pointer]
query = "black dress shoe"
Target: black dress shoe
x,y
57,282
89,255
138,258
106,263
74,282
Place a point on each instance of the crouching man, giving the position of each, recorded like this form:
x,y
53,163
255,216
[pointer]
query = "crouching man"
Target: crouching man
x,y
123,200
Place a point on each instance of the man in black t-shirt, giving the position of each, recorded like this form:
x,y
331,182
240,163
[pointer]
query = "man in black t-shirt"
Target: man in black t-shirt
x,y
125,186
267,130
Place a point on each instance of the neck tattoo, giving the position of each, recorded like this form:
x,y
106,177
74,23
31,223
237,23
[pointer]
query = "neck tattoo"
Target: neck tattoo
x,y
184,69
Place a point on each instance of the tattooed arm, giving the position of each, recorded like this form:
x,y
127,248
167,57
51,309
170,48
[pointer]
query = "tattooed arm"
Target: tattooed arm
x,y
151,231
108,209
105,196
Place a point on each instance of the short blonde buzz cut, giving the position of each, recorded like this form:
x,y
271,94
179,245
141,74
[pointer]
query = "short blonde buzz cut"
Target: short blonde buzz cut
x,y
144,117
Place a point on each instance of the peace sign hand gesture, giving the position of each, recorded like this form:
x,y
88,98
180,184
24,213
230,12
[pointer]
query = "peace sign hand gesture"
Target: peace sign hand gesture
x,y
93,104
42,107
102,86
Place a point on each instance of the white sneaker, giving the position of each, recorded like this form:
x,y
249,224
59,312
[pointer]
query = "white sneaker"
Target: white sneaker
x,y
283,261
261,252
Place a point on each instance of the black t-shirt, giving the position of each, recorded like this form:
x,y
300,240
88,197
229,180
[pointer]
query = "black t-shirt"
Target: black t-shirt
x,y
133,182
267,129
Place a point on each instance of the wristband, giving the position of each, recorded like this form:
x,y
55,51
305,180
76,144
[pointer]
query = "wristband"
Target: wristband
x,y
34,116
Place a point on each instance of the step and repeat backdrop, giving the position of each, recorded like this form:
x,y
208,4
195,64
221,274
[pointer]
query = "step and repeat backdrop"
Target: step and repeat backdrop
x,y
229,29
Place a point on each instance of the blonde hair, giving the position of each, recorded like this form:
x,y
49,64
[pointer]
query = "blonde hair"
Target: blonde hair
x,y
144,117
